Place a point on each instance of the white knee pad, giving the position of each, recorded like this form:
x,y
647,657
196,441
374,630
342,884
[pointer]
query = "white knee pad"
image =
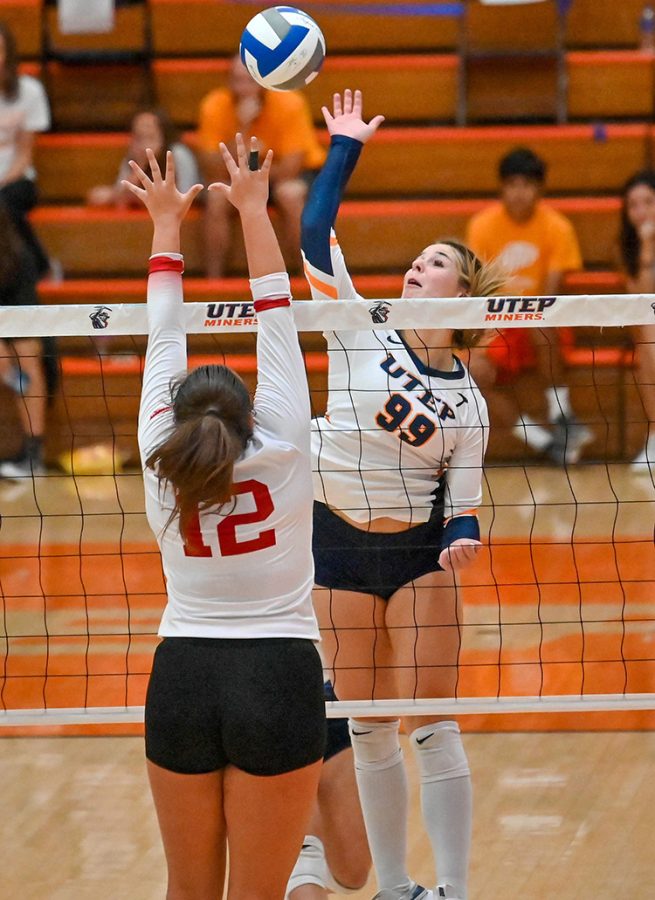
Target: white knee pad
x,y
311,868
440,752
375,744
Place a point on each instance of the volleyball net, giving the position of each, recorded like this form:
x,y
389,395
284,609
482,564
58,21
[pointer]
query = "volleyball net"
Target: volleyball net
x,y
558,609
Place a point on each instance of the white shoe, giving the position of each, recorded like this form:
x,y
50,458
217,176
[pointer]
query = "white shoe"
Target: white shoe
x,y
644,461
571,436
445,892
17,470
414,892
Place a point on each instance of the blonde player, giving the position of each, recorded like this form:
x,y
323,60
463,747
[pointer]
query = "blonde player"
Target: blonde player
x,y
398,470
235,716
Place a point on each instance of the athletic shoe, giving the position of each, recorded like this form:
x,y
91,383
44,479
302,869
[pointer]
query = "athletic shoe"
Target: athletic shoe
x,y
17,469
414,892
571,436
445,892
645,461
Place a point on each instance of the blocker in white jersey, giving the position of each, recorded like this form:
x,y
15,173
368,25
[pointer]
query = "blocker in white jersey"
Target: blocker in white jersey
x,y
234,714
245,569
397,481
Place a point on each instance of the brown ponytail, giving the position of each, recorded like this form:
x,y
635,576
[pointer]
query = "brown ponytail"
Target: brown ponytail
x,y
213,424
479,279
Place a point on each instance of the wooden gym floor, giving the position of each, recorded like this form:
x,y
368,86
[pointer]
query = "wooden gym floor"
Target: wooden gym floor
x,y
563,803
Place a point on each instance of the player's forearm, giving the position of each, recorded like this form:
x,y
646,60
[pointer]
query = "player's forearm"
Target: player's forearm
x,y
324,199
166,234
262,248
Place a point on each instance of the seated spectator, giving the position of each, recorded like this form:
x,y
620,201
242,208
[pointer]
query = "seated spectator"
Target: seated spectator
x,y
536,245
150,128
24,110
282,122
21,363
637,241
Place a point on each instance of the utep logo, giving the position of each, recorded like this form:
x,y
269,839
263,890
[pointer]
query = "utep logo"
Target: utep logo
x,y
100,316
239,313
652,306
517,309
380,312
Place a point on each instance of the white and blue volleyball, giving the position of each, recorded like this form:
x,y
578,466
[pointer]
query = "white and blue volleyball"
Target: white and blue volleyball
x,y
283,48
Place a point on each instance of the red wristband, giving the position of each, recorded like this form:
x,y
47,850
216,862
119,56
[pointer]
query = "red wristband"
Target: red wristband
x,y
271,303
165,264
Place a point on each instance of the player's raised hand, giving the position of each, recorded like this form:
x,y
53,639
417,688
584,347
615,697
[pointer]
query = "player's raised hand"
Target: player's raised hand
x,y
248,188
159,193
459,554
346,117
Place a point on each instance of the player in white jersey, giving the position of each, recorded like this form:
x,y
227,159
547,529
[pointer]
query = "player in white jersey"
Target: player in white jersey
x,y
235,716
398,470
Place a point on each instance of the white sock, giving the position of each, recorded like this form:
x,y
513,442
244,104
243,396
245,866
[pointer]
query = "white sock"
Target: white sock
x,y
531,433
559,402
382,783
446,800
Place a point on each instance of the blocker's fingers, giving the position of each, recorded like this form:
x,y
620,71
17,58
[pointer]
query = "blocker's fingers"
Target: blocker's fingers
x,y
228,159
242,159
347,102
140,174
135,189
357,104
170,167
154,165
336,105
266,165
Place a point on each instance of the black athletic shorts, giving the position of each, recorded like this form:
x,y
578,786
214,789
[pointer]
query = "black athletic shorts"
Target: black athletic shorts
x,y
350,559
338,736
255,703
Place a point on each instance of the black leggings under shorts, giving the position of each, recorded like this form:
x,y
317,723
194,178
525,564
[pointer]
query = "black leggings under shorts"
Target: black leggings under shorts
x,y
349,559
255,703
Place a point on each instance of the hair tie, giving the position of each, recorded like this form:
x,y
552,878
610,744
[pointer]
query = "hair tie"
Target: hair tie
x,y
212,412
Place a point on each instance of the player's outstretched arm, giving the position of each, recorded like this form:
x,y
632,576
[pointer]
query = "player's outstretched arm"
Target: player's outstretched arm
x,y
248,191
167,206
346,117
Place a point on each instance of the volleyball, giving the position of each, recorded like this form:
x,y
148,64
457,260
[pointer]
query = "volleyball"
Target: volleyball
x,y
283,48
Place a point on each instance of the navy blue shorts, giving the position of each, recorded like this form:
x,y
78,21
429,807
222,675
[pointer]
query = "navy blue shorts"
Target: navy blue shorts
x,y
255,703
350,559
338,736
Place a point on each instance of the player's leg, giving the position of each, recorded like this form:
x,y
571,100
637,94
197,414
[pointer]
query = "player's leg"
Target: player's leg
x,y
335,856
570,435
342,822
495,368
357,650
644,337
267,818
273,733
190,815
424,620
185,765
23,371
32,404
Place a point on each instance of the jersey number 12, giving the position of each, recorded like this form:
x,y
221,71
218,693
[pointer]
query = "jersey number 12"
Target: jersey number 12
x,y
228,542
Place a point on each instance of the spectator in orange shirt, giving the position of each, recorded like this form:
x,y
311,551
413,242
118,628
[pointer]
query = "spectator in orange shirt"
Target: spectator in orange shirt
x,y
282,123
536,245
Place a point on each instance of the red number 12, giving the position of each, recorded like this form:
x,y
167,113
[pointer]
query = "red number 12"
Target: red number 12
x,y
194,544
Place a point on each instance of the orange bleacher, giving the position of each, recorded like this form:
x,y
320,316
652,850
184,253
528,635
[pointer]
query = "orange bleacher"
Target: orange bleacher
x,y
421,177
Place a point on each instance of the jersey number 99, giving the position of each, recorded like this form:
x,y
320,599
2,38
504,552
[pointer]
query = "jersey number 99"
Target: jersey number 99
x,y
417,431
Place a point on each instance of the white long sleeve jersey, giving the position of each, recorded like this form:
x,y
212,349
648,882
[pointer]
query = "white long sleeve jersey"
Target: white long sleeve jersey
x,y
393,427
246,571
